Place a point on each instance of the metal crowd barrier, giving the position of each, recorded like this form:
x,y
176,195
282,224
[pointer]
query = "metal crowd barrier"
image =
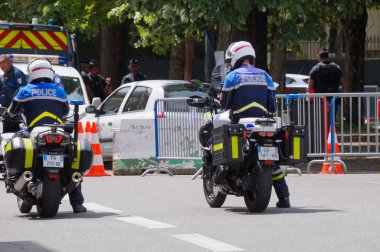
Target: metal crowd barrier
x,y
356,122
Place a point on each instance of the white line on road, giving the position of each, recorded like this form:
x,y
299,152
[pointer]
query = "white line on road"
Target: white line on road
x,y
137,220
99,208
206,242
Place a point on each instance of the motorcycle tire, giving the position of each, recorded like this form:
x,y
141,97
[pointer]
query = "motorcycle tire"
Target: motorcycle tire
x,y
24,206
258,198
213,196
48,204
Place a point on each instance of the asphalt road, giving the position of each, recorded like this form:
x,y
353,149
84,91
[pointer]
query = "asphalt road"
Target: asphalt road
x,y
162,213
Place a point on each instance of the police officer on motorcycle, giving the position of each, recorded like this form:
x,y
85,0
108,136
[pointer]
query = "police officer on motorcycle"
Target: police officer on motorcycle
x,y
249,92
43,102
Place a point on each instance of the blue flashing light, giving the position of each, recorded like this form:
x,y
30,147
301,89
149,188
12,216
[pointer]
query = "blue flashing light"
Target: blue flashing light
x,y
76,102
63,59
293,96
250,125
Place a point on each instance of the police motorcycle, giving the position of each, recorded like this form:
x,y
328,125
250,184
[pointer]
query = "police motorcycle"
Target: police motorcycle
x,y
239,156
43,167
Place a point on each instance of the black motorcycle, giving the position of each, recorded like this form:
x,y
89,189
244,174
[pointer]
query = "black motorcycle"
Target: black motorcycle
x,y
238,157
45,164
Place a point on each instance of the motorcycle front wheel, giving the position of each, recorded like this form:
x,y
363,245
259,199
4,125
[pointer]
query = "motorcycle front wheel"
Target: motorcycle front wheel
x,y
48,204
258,198
213,196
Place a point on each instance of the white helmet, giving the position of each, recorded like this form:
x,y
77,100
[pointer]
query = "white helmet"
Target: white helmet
x,y
228,55
39,68
241,50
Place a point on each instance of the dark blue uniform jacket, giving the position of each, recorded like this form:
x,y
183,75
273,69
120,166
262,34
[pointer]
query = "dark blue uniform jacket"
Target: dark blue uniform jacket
x,y
41,103
249,92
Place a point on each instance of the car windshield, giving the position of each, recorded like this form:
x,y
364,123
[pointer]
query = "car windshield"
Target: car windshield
x,y
182,90
179,91
72,88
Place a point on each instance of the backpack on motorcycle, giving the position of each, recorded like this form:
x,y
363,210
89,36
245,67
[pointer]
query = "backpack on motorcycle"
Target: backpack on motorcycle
x,y
294,145
227,144
20,154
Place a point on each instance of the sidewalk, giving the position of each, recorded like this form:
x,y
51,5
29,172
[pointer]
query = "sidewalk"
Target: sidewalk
x,y
353,164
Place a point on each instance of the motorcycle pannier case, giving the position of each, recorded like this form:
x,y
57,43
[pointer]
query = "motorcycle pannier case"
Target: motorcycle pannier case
x,y
84,156
294,145
20,154
227,144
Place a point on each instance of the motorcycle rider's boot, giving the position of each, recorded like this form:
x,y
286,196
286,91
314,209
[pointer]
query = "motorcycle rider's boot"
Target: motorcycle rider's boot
x,y
220,177
79,209
283,203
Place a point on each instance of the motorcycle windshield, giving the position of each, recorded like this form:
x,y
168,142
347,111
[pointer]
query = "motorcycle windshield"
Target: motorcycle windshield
x,y
219,74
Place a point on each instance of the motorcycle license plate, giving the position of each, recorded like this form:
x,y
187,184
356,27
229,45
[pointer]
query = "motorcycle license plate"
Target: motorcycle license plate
x,y
268,153
54,161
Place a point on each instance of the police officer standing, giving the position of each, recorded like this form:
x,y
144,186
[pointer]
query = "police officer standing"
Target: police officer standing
x,y
326,76
135,74
95,83
12,79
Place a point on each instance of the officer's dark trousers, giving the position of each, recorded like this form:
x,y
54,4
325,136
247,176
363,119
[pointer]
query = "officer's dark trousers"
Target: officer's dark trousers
x,y
76,196
279,183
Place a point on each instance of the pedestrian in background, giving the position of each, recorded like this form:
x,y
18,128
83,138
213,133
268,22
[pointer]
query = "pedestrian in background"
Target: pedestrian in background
x,y
135,74
109,88
12,79
84,67
326,76
95,83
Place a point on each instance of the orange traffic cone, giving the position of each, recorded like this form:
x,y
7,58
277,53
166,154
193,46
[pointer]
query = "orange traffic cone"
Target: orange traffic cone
x,y
97,168
88,132
80,130
326,166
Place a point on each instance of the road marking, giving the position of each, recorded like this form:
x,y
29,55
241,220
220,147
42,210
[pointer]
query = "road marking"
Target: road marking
x,y
206,242
66,197
152,224
99,208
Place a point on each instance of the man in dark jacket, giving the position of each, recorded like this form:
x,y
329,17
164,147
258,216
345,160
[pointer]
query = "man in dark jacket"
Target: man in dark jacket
x,y
95,83
135,74
12,79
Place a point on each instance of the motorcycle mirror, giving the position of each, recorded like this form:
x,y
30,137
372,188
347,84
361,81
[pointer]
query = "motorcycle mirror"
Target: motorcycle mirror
x,y
196,101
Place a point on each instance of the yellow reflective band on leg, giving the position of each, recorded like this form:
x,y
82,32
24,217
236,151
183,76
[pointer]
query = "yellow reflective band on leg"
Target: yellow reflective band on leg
x,y
8,147
235,147
207,115
29,152
42,115
278,177
251,105
296,148
217,147
75,164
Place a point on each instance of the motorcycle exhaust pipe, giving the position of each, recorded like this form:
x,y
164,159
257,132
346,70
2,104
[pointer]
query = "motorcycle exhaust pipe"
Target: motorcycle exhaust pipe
x,y
76,178
26,177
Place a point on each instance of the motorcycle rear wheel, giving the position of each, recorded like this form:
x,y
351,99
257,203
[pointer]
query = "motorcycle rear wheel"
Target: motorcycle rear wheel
x,y
213,196
48,204
24,206
258,198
